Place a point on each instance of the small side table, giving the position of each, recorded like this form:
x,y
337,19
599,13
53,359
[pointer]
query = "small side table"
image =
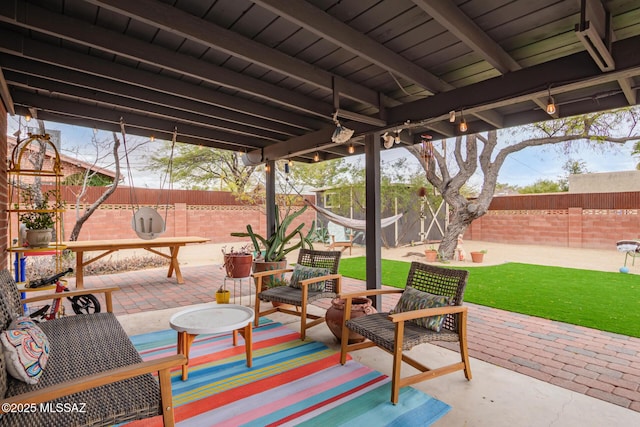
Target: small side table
x,y
239,280
211,319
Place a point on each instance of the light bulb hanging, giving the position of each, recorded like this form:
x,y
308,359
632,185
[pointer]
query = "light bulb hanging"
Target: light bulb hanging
x,y
551,104
351,148
316,157
463,123
27,118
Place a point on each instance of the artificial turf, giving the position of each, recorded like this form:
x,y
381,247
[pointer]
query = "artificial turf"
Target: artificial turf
x,y
595,299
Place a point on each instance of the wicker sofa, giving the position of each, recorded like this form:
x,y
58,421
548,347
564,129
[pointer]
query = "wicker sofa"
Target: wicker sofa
x,y
94,375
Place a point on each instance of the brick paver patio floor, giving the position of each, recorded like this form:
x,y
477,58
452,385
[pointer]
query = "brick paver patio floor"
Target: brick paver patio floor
x,y
599,364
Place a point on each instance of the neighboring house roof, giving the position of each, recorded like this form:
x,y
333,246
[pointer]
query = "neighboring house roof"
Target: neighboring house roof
x,y
70,165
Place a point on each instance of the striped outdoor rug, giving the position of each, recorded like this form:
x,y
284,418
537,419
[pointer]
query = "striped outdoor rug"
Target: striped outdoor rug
x,y
292,382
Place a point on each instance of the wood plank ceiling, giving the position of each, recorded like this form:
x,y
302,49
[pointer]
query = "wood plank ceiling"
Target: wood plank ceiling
x,y
266,76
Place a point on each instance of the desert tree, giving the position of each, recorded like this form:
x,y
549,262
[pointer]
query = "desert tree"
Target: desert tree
x,y
204,168
486,153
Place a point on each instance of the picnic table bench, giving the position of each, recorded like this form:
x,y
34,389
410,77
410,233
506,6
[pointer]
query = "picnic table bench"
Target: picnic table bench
x,y
110,246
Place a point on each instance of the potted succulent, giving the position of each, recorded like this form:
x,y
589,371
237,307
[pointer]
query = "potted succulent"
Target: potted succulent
x,y
272,251
478,256
431,254
237,262
38,217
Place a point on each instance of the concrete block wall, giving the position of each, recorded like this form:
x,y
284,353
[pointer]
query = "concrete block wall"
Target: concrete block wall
x,y
573,227
213,222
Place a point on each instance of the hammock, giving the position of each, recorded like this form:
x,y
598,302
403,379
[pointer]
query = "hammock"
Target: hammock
x,y
355,224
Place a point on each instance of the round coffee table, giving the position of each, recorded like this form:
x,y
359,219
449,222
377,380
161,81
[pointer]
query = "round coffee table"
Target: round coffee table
x,y
212,319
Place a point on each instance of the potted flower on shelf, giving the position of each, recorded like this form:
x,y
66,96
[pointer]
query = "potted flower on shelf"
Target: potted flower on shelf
x,y
272,251
478,256
38,217
238,262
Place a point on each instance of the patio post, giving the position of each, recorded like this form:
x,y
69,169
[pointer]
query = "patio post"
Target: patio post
x,y
373,214
270,202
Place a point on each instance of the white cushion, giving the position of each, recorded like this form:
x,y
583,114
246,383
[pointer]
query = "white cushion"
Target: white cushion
x,y
26,350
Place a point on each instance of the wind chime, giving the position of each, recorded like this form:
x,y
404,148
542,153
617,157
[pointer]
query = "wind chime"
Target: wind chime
x,y
427,150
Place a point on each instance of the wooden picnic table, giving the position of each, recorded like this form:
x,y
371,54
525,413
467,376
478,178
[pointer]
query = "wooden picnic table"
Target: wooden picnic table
x,y
110,246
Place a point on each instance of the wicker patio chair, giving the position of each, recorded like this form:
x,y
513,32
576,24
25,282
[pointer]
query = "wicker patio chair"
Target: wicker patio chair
x,y
398,333
301,297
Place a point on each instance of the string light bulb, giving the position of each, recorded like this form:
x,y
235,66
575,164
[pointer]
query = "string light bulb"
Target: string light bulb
x,y
316,157
452,116
351,148
152,138
551,104
27,117
463,123
267,168
290,163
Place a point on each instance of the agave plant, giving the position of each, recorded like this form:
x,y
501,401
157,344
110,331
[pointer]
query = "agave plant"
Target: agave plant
x,y
279,244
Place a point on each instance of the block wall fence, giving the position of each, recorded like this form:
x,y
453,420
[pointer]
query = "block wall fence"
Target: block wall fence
x,y
600,221
210,214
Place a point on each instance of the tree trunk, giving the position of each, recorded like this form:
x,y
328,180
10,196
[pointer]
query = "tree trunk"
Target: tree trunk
x,y
75,233
459,223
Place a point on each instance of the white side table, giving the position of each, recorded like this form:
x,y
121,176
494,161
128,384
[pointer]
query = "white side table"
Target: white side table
x,y
236,281
212,319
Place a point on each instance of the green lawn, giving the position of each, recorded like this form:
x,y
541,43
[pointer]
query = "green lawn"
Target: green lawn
x,y
595,299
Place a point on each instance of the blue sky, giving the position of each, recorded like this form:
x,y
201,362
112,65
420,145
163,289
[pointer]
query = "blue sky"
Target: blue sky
x,y
520,169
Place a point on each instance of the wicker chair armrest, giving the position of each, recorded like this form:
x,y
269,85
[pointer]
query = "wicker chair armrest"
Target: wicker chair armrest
x,y
367,293
307,282
271,272
95,380
58,295
426,312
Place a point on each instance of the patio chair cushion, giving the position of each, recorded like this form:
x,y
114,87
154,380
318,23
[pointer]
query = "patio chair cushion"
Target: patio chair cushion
x,y
414,299
301,272
26,350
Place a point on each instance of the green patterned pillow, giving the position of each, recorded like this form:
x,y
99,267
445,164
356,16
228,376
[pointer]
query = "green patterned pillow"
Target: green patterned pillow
x,y
300,272
413,299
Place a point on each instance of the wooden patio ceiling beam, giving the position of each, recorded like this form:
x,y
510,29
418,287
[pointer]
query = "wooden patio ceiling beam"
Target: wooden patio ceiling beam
x,y
569,73
42,52
146,124
29,16
114,101
115,127
629,91
50,78
469,33
191,27
337,32
5,95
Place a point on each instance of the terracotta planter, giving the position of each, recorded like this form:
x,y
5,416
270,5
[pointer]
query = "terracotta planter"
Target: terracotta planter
x,y
431,255
223,297
238,265
335,316
477,257
260,266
